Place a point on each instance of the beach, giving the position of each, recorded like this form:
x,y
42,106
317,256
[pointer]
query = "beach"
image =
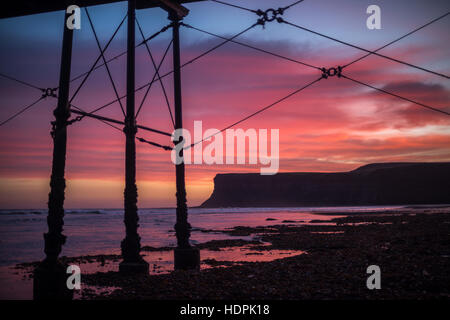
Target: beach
x,y
320,255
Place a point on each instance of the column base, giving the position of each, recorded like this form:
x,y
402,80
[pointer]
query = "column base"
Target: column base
x,y
50,282
187,258
139,267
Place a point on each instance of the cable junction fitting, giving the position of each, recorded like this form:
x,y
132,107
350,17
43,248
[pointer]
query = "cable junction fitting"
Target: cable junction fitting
x,y
76,119
68,123
270,15
167,148
163,29
331,72
49,92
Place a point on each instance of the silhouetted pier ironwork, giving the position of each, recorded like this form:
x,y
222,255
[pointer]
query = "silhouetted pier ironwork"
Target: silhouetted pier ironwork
x,y
50,276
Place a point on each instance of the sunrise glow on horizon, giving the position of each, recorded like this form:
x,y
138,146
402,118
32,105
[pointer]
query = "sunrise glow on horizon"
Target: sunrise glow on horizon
x,y
335,125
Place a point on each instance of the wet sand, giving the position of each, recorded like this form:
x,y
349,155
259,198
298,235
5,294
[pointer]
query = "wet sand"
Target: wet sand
x,y
294,260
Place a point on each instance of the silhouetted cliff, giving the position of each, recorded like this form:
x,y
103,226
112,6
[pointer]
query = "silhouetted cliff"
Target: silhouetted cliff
x,y
372,184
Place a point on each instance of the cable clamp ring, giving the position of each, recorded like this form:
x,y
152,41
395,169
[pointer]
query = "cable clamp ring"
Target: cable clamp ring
x,y
331,72
49,92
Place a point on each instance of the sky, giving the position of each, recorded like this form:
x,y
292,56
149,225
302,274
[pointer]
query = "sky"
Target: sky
x,y
335,125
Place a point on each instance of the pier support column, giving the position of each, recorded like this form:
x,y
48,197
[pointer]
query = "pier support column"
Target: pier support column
x,y
131,245
185,256
50,276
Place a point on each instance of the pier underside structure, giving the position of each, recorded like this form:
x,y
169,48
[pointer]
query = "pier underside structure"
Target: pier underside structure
x,y
50,277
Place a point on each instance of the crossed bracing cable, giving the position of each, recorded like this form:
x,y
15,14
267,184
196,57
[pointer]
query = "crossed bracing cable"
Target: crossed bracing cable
x,y
266,16
50,92
274,15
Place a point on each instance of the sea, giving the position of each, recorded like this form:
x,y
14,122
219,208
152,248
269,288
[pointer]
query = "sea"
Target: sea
x,y
100,231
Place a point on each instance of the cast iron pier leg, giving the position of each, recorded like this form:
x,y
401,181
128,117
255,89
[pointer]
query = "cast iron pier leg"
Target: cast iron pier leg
x,y
131,245
50,276
185,256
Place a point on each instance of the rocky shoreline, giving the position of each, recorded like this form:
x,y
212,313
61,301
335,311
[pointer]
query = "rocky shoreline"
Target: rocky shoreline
x,y
411,247
412,250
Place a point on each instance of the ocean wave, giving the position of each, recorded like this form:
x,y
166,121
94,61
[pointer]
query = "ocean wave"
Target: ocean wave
x,y
44,212
85,212
21,212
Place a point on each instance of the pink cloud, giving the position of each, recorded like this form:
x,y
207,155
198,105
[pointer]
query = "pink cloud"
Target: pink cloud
x,y
334,125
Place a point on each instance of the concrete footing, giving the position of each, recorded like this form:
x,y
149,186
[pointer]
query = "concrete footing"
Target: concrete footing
x,y
187,258
140,267
50,282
